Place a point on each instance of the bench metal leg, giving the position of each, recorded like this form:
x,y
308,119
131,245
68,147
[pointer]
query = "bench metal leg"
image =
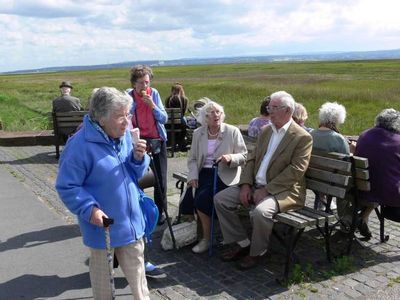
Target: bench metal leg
x,y
354,221
289,242
384,238
57,144
326,232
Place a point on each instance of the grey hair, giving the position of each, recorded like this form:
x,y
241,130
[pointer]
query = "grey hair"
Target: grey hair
x,y
331,114
205,110
105,101
388,119
287,100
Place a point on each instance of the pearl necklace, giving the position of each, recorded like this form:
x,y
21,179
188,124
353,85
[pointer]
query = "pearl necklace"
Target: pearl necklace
x,y
212,135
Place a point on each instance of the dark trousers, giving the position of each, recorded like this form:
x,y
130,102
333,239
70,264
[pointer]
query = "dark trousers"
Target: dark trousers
x,y
204,195
160,165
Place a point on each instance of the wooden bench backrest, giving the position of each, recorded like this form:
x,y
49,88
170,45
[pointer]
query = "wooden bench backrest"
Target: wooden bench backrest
x,y
174,117
70,119
173,126
332,173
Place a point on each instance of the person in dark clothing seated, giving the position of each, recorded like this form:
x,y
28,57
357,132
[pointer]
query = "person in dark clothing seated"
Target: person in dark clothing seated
x,y
381,145
66,102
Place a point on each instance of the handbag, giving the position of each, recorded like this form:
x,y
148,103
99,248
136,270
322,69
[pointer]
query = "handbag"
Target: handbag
x,y
185,234
154,145
150,214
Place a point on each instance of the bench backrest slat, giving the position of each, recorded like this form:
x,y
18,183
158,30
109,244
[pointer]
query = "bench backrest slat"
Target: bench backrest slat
x,y
326,188
67,119
324,175
329,163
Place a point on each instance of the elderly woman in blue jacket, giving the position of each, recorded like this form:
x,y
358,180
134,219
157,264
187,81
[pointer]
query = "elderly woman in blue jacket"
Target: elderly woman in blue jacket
x,y
98,174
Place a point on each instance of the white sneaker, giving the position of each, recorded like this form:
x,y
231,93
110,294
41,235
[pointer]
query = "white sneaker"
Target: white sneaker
x,y
333,204
202,246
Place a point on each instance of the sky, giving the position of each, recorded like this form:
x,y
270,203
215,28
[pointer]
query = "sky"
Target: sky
x,y
49,33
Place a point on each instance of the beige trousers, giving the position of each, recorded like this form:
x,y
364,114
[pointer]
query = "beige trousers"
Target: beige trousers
x,y
131,260
226,203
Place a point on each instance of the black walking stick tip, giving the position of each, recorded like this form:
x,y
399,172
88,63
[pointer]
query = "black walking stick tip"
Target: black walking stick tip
x,y
107,221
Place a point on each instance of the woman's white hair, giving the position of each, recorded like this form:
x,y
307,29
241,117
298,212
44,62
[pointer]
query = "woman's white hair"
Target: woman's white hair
x,y
389,119
332,114
205,110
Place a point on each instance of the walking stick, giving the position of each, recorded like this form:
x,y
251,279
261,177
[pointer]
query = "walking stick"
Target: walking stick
x,y
158,186
215,180
106,223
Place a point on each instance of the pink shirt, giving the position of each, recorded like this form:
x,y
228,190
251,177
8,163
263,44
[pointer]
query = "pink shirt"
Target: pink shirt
x,y
146,121
209,161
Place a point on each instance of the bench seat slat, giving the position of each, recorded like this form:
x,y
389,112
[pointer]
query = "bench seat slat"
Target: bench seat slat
x,y
180,176
291,220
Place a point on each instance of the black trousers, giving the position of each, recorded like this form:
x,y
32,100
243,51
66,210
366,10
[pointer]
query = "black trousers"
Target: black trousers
x,y
160,165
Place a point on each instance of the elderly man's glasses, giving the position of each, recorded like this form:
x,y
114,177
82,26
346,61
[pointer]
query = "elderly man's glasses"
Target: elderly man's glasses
x,y
274,108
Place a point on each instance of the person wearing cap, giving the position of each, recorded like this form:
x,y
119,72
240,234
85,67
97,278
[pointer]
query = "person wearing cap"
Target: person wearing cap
x,y
66,102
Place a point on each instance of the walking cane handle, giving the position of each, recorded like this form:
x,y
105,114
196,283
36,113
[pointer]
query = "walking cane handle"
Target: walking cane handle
x,y
107,222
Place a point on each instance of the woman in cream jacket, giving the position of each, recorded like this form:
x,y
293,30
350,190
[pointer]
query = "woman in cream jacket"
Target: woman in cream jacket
x,y
213,142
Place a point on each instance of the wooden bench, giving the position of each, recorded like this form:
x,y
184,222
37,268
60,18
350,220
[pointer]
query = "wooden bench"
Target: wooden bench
x,y
333,174
65,124
174,127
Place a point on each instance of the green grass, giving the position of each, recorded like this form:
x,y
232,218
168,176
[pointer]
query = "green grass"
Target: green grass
x,y
363,87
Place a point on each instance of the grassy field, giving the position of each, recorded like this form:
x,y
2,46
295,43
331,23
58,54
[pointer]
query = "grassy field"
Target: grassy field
x,y
363,87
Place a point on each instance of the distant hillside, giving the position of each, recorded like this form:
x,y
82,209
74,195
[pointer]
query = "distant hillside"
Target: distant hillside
x,y
320,56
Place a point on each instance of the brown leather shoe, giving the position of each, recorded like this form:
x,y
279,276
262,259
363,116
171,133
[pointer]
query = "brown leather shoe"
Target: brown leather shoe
x,y
248,262
235,253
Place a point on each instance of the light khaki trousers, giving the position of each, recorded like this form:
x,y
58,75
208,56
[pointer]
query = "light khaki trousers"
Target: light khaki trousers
x,y
131,260
226,203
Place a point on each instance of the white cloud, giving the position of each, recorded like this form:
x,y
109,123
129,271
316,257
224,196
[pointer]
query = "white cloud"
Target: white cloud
x,y
46,33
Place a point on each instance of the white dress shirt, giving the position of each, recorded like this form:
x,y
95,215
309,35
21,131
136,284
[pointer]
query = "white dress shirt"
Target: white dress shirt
x,y
276,138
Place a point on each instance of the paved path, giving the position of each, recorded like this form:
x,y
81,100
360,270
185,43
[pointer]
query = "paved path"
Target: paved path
x,y
42,256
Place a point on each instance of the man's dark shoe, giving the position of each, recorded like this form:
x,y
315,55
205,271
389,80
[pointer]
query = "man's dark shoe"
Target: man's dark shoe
x,y
235,253
248,262
363,229
161,219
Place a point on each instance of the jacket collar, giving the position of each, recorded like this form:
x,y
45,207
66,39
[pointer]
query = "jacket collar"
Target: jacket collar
x,y
287,138
220,138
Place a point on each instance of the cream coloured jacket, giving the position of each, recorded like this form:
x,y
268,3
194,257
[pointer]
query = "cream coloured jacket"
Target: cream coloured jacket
x,y
229,141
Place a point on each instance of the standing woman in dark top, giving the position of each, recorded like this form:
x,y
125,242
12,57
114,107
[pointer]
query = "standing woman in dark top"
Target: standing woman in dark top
x,y
177,98
149,115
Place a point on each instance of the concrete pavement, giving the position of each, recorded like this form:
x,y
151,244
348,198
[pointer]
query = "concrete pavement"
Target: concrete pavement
x,y
42,256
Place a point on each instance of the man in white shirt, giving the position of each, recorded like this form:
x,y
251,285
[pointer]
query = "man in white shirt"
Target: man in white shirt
x,y
272,181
